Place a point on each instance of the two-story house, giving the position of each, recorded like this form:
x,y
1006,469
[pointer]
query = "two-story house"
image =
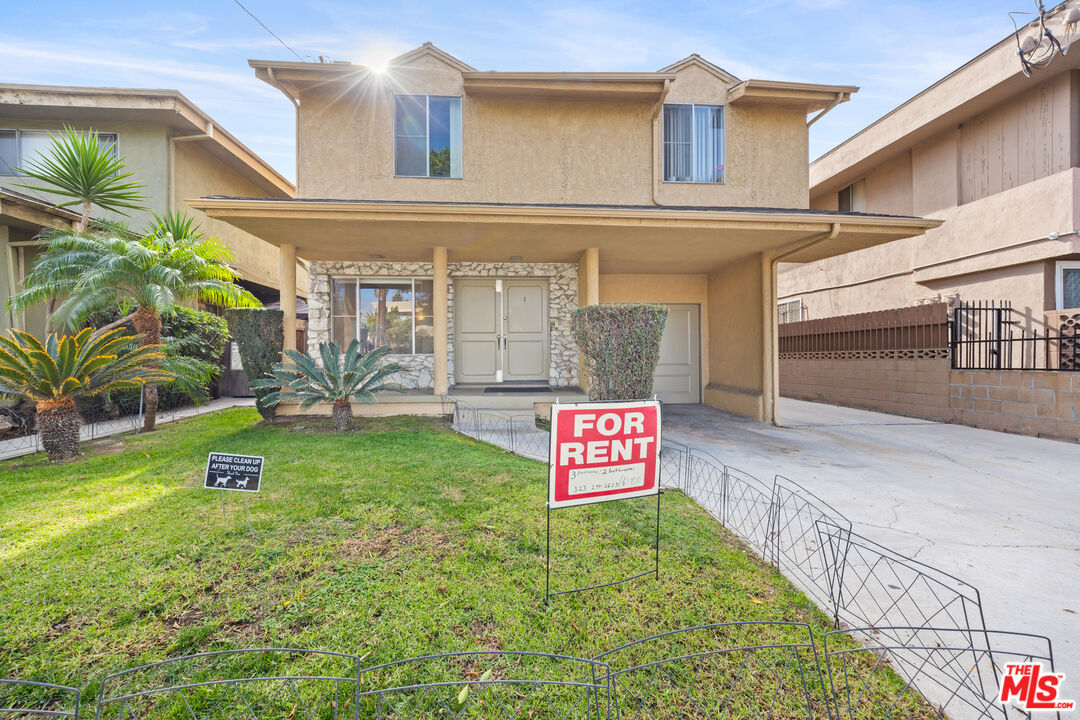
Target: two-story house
x,y
175,149
461,216
993,152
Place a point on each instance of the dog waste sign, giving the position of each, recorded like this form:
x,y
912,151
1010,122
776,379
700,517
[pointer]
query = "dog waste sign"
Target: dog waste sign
x,y
603,451
225,471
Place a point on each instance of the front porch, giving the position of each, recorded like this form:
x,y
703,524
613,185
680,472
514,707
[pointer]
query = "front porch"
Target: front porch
x,y
470,293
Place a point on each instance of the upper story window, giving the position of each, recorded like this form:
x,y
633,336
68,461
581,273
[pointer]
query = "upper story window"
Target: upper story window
x,y
386,311
18,147
427,136
852,198
693,143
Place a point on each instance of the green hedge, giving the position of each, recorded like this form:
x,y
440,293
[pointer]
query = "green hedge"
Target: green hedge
x,y
191,333
259,334
621,345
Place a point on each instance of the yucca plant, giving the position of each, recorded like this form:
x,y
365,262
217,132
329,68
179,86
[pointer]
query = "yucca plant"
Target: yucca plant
x,y
149,274
54,374
343,379
78,167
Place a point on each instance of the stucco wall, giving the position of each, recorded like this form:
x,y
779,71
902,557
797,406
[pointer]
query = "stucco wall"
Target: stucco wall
x,y
736,338
688,289
144,148
419,373
968,256
518,149
198,173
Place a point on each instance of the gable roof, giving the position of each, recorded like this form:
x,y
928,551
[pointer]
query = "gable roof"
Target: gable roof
x,y
696,60
429,49
63,104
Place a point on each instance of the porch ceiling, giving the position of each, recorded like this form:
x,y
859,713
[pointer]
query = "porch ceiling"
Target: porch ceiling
x,y
631,239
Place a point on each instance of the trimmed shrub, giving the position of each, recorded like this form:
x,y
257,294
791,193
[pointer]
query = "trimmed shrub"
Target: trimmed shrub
x,y
621,345
259,334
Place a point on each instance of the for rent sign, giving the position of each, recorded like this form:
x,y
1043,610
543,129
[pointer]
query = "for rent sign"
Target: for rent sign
x,y
603,451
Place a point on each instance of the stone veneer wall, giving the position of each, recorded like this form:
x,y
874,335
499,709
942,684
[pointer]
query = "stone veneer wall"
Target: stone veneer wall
x,y
420,369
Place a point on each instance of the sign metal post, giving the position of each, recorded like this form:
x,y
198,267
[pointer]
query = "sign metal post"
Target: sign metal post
x,y
599,452
240,473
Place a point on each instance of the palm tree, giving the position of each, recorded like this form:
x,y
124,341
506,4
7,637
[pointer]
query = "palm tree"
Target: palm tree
x,y
149,275
78,167
341,380
55,373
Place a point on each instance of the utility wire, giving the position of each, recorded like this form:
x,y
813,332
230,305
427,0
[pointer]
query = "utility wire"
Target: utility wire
x,y
268,29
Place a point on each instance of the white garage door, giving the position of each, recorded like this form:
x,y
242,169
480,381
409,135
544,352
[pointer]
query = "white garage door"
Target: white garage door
x,y
678,374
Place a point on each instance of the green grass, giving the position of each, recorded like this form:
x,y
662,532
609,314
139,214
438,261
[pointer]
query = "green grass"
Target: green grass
x,y
399,539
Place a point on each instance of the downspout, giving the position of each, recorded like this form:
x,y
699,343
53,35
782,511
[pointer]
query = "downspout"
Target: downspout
x,y
657,145
774,325
296,106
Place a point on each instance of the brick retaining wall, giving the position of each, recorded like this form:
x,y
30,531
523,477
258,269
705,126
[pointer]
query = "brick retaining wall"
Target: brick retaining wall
x,y
1046,404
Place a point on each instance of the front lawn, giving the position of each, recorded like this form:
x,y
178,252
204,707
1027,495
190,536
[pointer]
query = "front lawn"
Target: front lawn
x,y
396,540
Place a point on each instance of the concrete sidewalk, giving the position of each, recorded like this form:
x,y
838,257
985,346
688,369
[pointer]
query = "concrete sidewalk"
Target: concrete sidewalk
x,y
999,511
30,444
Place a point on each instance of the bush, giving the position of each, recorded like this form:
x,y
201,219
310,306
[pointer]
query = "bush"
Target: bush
x,y
186,333
259,334
621,345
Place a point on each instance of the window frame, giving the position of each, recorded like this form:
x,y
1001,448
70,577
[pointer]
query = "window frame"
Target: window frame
x,y
20,160
427,135
1059,281
357,281
693,142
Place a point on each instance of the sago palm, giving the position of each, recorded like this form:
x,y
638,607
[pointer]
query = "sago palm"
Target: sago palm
x,y
78,167
150,275
343,379
54,374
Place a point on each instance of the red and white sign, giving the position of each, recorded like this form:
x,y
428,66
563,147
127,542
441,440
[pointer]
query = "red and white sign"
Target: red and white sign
x,y
1029,688
603,451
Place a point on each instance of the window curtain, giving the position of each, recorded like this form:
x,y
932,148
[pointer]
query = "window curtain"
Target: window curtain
x,y
678,143
708,144
1070,289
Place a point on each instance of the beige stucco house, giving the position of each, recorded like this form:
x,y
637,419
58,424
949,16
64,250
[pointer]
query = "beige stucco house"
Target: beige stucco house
x,y
994,154
172,146
460,216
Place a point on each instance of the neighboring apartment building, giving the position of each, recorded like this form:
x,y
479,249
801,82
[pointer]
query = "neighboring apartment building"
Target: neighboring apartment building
x,y
461,216
994,154
173,148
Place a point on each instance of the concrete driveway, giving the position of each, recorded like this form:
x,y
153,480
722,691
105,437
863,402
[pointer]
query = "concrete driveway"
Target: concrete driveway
x,y
999,511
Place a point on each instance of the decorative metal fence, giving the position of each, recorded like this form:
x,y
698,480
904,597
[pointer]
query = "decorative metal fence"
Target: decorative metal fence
x,y
993,336
731,670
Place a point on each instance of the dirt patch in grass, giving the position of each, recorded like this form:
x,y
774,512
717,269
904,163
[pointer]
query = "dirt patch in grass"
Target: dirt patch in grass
x,y
392,541
317,425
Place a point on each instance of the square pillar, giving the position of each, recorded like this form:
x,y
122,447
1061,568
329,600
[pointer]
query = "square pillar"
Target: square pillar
x,y
287,283
439,301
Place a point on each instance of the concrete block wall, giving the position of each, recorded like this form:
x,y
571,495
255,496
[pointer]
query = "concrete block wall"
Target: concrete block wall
x,y
1045,404
919,388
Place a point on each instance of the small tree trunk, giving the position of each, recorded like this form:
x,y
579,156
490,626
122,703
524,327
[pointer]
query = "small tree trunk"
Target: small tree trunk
x,y
84,218
148,324
58,426
342,415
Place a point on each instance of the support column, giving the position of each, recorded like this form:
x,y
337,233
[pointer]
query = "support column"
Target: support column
x,y
770,377
440,311
589,277
287,283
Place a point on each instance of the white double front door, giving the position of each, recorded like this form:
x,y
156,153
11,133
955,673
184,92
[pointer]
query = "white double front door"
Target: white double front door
x,y
500,330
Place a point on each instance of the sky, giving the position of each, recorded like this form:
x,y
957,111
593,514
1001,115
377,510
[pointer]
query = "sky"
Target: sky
x,y
891,50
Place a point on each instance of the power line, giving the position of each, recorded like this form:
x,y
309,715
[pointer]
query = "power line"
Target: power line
x,y
268,29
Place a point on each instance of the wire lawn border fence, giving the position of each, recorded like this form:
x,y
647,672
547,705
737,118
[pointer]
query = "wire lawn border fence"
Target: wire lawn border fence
x,y
736,670
859,582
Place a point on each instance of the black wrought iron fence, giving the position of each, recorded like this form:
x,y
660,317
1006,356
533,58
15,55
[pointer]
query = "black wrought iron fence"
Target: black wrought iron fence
x,y
991,335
